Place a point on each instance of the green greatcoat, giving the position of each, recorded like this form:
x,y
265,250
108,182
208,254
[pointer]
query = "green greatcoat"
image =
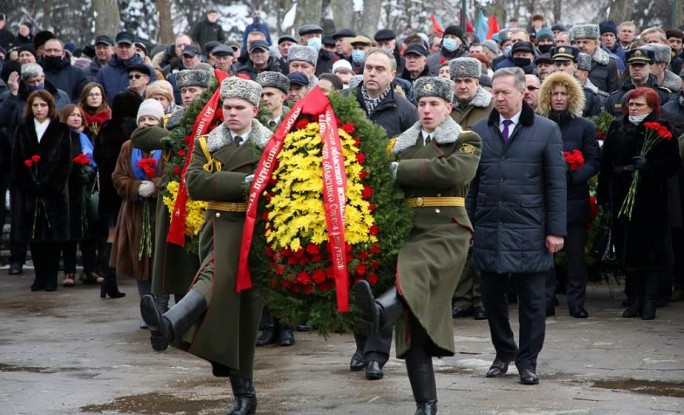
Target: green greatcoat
x,y
433,257
173,267
478,108
226,335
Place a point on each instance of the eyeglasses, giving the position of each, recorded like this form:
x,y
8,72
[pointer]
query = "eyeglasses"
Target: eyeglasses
x,y
136,76
96,94
636,104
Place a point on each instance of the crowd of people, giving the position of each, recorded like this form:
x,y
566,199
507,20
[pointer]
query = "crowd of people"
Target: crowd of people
x,y
518,141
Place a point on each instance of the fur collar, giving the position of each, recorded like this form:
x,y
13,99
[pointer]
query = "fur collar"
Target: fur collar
x,y
220,136
672,81
446,133
576,99
313,82
590,86
600,56
482,99
175,119
526,116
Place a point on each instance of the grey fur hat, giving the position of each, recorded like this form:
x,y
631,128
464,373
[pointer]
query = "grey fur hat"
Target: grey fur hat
x,y
245,89
584,61
192,77
585,31
274,80
662,53
433,86
302,53
465,68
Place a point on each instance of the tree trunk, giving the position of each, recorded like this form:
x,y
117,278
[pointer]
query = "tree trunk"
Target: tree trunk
x,y
370,18
621,10
343,13
107,16
557,8
308,12
165,22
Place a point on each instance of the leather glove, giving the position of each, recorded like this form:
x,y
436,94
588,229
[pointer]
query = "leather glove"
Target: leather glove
x,y
86,174
640,162
394,167
249,178
146,189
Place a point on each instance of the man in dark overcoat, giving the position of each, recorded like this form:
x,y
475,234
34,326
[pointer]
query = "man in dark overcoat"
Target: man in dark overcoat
x,y
517,203
213,321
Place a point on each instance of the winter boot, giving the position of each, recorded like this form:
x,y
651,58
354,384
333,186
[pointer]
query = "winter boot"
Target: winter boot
x,y
245,400
422,379
380,313
175,322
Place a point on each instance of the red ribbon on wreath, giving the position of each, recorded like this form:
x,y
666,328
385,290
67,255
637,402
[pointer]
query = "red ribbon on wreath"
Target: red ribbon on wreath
x,y
315,104
204,120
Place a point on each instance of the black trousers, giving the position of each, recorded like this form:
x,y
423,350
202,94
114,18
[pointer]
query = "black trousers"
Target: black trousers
x,y
531,315
376,346
17,249
576,280
46,262
88,253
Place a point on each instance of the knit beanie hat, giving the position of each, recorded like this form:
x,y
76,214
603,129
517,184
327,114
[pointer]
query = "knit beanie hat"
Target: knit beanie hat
x,y
151,107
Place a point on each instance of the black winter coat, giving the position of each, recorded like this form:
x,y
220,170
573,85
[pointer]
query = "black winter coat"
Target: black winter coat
x,y
205,31
579,134
395,114
69,79
518,196
614,102
44,198
81,182
324,63
644,241
248,68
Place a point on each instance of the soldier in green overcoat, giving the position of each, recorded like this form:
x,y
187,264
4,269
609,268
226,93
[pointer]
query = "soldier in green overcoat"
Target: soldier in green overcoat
x,y
436,160
173,267
213,321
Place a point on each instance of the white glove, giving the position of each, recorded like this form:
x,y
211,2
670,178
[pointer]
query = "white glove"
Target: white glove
x,y
147,188
394,166
249,179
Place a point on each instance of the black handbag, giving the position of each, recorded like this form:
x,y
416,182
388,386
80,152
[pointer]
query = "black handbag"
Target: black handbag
x,y
603,249
93,201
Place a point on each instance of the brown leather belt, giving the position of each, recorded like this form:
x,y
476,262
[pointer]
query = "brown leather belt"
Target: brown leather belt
x,y
435,201
227,206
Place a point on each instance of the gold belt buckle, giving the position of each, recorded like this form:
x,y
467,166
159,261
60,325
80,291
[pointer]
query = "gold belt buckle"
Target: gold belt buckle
x,y
233,207
419,201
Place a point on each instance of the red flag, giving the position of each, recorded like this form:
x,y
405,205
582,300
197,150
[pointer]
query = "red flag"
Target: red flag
x,y
493,27
436,25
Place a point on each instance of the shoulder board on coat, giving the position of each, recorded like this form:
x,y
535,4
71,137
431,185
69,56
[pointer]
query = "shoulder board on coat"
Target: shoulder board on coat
x,y
446,133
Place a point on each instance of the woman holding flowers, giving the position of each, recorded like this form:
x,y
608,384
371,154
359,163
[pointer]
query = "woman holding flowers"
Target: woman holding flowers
x,y
638,156
561,99
135,179
81,182
41,162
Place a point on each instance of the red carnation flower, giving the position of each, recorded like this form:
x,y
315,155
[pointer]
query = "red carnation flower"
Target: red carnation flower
x,y
372,279
375,249
348,128
442,60
304,278
363,255
28,163
367,192
363,175
35,158
371,207
360,269
360,158
375,265
319,276
181,153
357,142
312,249
81,159
176,170
373,230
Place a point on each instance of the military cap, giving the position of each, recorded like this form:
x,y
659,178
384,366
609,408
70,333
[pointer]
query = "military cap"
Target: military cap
x,y
274,79
302,53
584,61
661,53
384,34
585,31
433,86
564,53
640,56
192,77
309,28
246,89
465,68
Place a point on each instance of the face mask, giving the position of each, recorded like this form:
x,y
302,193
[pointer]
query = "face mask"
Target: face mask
x,y
637,119
450,44
314,42
358,55
544,48
52,61
388,50
37,87
507,51
521,62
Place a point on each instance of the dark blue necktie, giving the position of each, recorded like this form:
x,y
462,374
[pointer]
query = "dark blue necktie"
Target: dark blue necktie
x,y
505,132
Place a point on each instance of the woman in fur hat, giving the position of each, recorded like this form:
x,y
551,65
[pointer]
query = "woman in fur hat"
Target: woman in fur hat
x,y
561,99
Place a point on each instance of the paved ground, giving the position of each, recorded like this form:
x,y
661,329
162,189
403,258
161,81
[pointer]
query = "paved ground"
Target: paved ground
x,y
69,352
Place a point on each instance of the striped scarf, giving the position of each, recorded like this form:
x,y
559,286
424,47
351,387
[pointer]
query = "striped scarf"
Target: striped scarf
x,y
372,103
